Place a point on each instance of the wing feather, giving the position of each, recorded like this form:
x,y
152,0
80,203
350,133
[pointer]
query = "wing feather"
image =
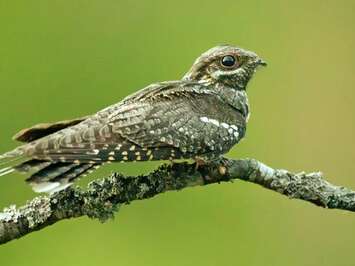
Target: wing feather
x,y
40,130
173,117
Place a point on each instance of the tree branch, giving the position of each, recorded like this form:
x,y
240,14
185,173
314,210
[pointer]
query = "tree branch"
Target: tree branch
x,y
103,198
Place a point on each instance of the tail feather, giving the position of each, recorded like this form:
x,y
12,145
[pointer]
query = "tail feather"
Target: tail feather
x,y
47,176
32,166
77,171
63,181
11,156
58,176
51,172
9,160
45,187
6,170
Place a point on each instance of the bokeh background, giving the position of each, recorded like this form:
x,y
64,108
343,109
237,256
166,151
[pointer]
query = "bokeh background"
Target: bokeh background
x,y
65,59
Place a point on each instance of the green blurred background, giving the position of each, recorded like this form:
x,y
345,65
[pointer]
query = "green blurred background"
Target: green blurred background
x,y
64,59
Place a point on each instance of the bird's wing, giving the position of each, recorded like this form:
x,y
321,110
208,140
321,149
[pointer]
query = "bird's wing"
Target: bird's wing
x,y
40,130
193,121
188,118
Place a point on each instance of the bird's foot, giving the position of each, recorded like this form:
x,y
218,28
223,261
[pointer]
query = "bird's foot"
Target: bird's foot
x,y
200,161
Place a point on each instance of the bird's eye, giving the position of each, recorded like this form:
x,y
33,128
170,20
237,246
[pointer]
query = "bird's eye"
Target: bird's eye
x,y
228,61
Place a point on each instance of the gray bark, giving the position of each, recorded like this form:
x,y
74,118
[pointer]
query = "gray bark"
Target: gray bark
x,y
103,198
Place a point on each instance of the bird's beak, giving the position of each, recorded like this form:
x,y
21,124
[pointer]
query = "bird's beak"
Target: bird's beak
x,y
261,62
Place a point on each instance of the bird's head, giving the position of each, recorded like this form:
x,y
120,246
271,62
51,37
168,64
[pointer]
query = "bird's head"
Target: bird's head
x,y
225,64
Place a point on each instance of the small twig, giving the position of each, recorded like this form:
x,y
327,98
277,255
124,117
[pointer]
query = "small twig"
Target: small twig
x,y
103,198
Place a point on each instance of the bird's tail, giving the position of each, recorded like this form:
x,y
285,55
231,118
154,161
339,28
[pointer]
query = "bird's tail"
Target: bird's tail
x,y
8,160
45,176
51,177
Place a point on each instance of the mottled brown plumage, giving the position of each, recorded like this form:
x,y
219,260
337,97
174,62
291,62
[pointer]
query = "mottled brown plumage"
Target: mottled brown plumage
x,y
199,117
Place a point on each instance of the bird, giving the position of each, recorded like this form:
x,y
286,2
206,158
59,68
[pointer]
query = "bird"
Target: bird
x,y
199,117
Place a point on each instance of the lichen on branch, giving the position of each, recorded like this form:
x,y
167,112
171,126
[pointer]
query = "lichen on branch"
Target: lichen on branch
x,y
104,197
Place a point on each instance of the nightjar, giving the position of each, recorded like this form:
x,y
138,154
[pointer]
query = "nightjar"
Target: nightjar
x,y
199,117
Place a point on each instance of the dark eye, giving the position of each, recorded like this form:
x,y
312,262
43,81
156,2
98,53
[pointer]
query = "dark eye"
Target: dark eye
x,y
228,61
